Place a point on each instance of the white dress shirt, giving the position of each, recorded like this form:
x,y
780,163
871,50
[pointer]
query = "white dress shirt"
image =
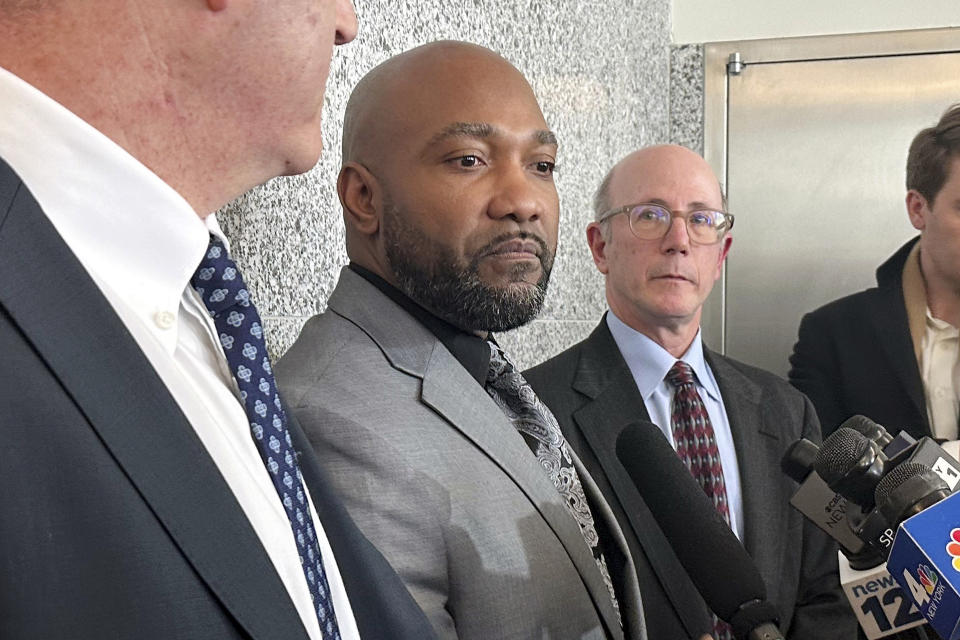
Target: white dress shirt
x,y
141,242
940,370
649,363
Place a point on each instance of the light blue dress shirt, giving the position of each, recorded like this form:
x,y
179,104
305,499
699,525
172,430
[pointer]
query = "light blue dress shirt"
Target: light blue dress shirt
x,y
649,364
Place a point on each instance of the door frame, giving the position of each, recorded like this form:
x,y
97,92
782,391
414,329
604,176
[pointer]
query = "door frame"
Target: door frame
x,y
717,55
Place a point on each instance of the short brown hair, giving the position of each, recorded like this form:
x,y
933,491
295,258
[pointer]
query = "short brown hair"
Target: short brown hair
x,y
931,152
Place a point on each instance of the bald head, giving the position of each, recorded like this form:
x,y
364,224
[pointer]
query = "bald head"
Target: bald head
x,y
668,163
414,86
658,274
447,184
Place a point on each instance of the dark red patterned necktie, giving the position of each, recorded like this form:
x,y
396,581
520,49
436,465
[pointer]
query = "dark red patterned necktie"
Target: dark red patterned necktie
x,y
697,446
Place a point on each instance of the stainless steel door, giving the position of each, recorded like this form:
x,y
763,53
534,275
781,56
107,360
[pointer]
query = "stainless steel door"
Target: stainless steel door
x,y
815,157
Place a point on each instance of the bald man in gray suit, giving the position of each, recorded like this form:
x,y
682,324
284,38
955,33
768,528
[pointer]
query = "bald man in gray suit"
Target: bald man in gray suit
x,y
451,215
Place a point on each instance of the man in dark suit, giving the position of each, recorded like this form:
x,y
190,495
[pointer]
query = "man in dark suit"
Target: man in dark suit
x,y
136,503
891,352
447,462
660,239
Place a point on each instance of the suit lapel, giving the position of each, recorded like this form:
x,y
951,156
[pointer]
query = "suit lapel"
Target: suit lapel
x,y
631,615
449,389
603,376
888,315
759,448
64,316
453,393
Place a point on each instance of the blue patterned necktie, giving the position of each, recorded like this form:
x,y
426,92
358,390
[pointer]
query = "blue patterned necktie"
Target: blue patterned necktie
x,y
221,288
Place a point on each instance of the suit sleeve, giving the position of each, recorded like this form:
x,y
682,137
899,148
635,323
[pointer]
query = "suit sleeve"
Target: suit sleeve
x,y
813,370
822,612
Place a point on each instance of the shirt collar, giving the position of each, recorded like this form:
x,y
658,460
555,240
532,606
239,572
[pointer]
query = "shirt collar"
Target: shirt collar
x,y
938,326
134,234
649,362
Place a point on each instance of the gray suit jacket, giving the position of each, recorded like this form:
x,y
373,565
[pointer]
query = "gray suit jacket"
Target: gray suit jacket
x,y
593,395
437,477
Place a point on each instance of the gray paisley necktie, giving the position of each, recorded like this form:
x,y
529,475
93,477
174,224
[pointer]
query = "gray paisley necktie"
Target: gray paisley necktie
x,y
540,430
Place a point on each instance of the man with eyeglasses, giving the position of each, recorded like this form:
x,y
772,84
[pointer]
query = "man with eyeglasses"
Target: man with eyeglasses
x,y
660,237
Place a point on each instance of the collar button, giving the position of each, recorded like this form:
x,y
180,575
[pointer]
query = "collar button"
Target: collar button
x,y
164,319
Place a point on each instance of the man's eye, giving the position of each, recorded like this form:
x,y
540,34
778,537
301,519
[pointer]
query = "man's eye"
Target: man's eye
x,y
650,214
468,161
701,219
545,166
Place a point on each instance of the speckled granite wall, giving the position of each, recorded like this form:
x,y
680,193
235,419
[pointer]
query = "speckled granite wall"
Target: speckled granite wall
x,y
602,71
686,96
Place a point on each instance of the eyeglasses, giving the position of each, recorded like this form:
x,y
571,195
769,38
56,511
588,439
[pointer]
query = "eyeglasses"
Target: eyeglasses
x,y
650,221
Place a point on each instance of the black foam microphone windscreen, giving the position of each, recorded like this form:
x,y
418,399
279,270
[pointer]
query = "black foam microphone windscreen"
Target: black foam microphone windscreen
x,y
851,464
839,453
717,563
907,490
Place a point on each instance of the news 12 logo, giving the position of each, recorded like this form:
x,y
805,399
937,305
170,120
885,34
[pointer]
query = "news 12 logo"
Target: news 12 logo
x,y
953,548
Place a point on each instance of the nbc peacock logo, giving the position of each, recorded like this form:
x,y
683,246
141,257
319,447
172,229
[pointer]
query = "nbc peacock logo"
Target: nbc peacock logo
x,y
953,548
928,578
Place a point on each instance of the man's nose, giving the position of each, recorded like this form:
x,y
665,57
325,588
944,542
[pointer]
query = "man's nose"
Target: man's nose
x,y
520,196
677,238
346,22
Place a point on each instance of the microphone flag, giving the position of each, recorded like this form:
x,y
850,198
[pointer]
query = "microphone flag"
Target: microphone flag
x,y
925,560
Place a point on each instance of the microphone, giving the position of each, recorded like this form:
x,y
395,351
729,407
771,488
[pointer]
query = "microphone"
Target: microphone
x,y
872,430
863,538
881,608
906,478
851,464
907,490
925,557
726,577
819,503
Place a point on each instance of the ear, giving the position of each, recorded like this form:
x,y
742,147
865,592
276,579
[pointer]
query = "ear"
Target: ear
x,y
724,250
917,209
358,190
598,246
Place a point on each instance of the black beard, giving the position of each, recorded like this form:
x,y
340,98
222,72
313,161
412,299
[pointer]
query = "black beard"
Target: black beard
x,y
430,275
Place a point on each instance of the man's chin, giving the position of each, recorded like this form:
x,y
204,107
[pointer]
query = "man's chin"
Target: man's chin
x,y
514,286
303,156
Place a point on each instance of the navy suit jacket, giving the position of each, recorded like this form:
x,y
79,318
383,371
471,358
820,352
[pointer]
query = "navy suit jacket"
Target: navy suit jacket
x,y
115,521
593,395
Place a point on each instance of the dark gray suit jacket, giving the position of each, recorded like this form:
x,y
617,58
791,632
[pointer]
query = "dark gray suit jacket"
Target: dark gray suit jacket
x,y
438,478
593,395
115,521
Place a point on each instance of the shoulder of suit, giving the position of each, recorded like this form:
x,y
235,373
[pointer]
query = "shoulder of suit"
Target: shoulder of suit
x,y
843,308
767,380
555,368
326,341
